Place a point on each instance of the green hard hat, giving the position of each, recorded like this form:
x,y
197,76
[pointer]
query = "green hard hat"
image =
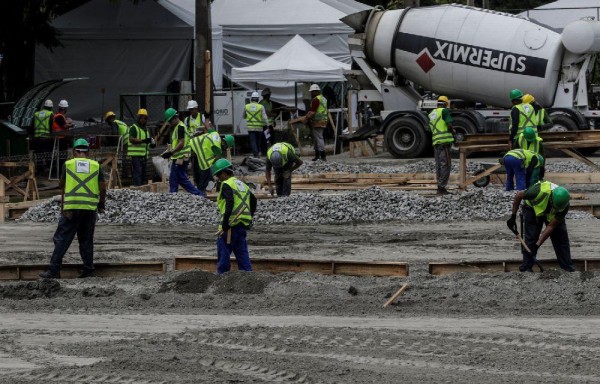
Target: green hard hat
x,y
560,198
81,145
220,165
229,140
515,94
529,134
170,113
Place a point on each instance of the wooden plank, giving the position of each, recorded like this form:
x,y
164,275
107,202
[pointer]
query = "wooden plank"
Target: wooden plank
x,y
68,271
349,268
447,268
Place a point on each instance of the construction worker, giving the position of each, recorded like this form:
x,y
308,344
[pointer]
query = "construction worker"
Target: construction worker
x,y
43,120
530,141
117,128
545,203
180,154
269,129
317,115
206,149
237,205
524,166
60,122
138,147
440,124
542,119
521,116
256,119
282,158
83,190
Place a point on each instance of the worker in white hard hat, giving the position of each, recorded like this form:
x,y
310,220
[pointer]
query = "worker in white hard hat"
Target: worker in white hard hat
x,y
140,141
197,124
271,115
256,118
317,116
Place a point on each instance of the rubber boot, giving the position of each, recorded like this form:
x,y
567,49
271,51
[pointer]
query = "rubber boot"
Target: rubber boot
x,y
442,191
317,156
323,156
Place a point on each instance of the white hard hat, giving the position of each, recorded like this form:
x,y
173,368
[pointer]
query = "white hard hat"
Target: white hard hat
x,y
314,87
255,95
48,103
63,104
192,104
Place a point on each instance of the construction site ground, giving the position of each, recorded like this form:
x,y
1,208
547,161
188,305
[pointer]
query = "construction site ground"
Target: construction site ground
x,y
196,327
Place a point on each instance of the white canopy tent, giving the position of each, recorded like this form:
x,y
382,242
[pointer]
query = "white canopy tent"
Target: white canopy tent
x,y
562,12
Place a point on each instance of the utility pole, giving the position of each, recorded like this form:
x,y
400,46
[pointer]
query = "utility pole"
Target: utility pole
x,y
203,43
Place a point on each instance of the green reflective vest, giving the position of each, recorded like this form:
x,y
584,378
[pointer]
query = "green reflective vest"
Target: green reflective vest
x,y
254,117
284,148
268,106
123,130
241,203
82,188
41,123
439,128
321,114
194,124
185,151
527,118
138,149
204,147
533,146
524,155
540,202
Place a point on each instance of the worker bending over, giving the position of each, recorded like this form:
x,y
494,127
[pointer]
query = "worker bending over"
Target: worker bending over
x,y
545,203
207,149
440,124
282,158
237,205
524,166
521,116
317,116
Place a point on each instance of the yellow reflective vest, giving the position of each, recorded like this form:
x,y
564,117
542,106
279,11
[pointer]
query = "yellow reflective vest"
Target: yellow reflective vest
x,y
439,128
241,212
41,123
138,149
185,150
203,146
82,186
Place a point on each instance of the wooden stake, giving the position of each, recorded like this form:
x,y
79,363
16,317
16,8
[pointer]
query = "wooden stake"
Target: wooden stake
x,y
207,80
393,298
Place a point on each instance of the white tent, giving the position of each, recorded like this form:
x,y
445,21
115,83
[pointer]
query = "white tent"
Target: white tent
x,y
562,12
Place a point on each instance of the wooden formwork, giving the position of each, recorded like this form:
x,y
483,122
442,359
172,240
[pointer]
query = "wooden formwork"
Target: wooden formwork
x,y
447,268
68,271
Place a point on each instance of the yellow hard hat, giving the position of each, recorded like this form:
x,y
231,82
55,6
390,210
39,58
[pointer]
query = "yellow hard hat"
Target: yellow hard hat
x,y
528,99
443,99
109,114
142,112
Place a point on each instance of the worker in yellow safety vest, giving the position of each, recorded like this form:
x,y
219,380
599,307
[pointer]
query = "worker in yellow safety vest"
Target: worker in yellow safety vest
x,y
206,149
525,166
542,120
83,191
440,124
521,116
317,116
282,158
256,119
140,141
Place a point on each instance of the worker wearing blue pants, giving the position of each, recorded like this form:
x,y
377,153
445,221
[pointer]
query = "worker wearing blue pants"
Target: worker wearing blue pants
x,y
178,176
237,205
524,166
514,170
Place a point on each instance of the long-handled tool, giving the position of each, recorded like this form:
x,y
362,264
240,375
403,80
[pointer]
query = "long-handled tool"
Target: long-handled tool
x,y
524,245
220,232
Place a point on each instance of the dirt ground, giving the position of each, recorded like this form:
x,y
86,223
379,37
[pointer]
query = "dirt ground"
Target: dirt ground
x,y
196,327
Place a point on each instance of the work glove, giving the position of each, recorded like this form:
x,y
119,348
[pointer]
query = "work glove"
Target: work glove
x,y
147,140
512,223
166,155
101,207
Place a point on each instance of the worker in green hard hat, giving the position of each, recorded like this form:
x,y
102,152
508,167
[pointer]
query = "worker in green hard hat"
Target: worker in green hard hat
x,y
521,116
207,149
237,205
545,203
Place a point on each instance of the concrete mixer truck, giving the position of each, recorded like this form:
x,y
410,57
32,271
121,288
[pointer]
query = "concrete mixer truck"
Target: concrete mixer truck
x,y
471,54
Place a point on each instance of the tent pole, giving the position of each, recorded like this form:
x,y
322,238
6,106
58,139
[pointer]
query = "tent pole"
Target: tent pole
x,y
296,95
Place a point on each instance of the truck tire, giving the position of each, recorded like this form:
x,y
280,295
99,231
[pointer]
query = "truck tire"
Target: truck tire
x,y
462,126
406,138
562,123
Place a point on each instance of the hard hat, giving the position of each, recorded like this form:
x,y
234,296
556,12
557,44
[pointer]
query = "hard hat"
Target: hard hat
x,y
314,87
266,91
560,198
81,145
170,113
63,104
220,165
48,104
515,94
528,99
443,99
192,104
255,95
230,140
109,114
142,112
529,134
276,159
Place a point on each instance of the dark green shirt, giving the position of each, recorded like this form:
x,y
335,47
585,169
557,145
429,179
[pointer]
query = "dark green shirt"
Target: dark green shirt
x,y
534,191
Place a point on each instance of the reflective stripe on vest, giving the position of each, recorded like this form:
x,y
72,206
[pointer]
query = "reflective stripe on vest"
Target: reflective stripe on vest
x,y
123,130
41,123
438,127
55,126
533,146
321,114
82,187
185,150
526,118
254,117
203,148
241,203
284,149
194,124
138,149
540,202
268,106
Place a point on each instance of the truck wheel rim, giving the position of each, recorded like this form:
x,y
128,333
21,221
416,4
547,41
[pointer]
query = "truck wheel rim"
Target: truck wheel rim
x,y
404,139
558,128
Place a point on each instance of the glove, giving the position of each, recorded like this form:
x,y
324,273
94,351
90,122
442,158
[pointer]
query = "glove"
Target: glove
x,y
101,207
512,223
147,140
251,225
166,155
225,227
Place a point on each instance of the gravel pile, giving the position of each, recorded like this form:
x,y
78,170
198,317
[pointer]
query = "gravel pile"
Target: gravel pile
x,y
568,167
420,166
369,205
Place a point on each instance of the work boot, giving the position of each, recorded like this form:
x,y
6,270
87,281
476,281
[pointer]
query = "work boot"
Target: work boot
x,y
317,156
49,275
442,191
323,156
85,274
